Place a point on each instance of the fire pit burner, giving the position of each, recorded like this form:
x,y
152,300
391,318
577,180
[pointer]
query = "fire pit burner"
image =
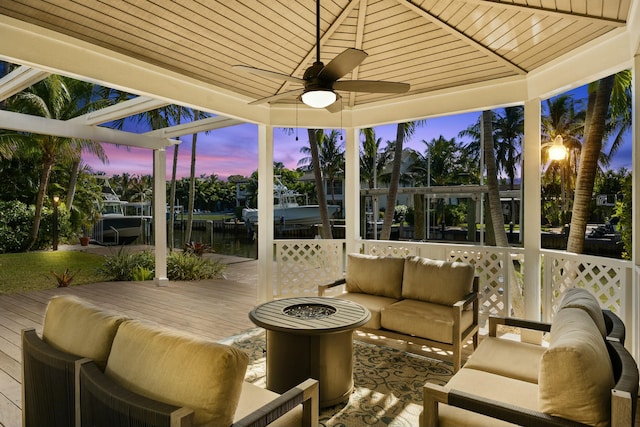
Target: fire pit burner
x,y
309,311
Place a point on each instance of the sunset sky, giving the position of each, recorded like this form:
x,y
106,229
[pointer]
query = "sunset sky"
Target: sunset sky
x,y
234,150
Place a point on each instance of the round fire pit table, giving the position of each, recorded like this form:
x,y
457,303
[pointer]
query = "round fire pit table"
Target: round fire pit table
x,y
311,337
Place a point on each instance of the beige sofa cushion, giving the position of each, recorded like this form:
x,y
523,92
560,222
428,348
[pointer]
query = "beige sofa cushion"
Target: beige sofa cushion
x,y
375,275
489,386
374,303
585,300
513,359
439,282
179,369
423,319
75,326
576,376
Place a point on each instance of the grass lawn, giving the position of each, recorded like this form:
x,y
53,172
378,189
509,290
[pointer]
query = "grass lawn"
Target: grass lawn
x,y
32,270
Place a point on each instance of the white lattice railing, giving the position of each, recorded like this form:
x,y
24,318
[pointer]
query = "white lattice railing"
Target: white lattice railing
x,y
608,279
303,265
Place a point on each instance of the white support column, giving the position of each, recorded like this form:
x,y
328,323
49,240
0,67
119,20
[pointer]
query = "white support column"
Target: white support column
x,y
635,226
530,225
352,189
265,213
160,215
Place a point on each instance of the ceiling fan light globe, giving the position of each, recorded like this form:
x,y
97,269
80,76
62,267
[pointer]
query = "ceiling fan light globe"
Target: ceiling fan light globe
x,y
319,98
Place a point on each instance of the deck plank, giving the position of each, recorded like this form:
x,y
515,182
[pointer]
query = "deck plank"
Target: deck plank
x,y
212,309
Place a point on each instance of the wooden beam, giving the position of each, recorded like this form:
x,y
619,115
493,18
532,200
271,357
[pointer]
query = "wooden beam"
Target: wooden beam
x,y
210,123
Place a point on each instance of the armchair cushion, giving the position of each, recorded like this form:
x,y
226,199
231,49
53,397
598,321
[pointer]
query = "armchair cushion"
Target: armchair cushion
x,y
423,319
375,275
576,376
438,282
75,326
201,375
509,358
585,300
489,386
253,397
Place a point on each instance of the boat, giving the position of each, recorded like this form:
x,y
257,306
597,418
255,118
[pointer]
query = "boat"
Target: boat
x,y
120,222
286,209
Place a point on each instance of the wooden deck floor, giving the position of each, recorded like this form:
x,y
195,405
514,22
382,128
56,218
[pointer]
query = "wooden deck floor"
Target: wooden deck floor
x,y
214,309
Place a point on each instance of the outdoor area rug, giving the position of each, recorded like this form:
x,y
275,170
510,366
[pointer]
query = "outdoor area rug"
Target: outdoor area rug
x,y
388,382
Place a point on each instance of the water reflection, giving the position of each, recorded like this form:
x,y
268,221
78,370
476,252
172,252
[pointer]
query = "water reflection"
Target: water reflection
x,y
223,243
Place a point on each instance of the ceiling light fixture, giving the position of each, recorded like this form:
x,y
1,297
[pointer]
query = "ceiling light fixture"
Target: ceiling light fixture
x,y
557,150
319,98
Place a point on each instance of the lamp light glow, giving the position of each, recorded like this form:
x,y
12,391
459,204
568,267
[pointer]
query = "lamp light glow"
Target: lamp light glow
x,y
319,98
557,150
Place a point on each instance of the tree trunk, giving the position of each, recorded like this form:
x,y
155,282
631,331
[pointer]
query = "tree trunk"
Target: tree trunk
x,y
392,195
192,186
172,197
317,174
495,207
37,216
595,124
418,217
73,182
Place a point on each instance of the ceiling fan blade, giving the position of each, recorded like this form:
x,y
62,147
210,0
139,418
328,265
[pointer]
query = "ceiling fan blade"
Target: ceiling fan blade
x,y
342,64
336,106
267,73
375,86
276,97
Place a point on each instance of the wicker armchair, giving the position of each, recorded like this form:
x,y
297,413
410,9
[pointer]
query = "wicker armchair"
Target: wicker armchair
x,y
158,376
72,329
102,402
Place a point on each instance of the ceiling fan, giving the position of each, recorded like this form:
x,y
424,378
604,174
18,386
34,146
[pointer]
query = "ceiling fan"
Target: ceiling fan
x,y
322,81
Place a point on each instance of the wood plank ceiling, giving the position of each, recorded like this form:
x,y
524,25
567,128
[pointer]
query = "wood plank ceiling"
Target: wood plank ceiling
x,y
431,44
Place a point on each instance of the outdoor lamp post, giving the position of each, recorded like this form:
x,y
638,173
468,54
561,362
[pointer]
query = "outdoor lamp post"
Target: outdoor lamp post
x,y
558,152
56,199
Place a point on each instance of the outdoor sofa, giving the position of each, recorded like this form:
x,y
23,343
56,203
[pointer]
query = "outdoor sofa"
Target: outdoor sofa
x,y
93,368
416,299
584,376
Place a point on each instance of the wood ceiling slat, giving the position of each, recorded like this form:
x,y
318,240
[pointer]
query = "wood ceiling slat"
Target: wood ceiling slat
x,y
561,48
445,43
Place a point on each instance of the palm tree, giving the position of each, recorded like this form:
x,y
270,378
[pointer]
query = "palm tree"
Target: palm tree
x,y
315,139
55,97
595,129
493,191
331,158
562,119
403,131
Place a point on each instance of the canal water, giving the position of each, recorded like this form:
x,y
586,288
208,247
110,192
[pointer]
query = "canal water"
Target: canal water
x,y
236,244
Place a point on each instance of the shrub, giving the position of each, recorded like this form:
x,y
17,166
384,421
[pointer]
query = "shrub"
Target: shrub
x,y
123,264
140,274
15,224
185,266
127,266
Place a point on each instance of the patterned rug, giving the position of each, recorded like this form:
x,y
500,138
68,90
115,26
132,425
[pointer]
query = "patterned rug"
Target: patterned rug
x,y
388,382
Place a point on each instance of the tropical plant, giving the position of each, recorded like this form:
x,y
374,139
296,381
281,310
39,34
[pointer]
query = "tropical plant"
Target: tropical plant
x,y
197,248
64,279
184,266
121,265
55,97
